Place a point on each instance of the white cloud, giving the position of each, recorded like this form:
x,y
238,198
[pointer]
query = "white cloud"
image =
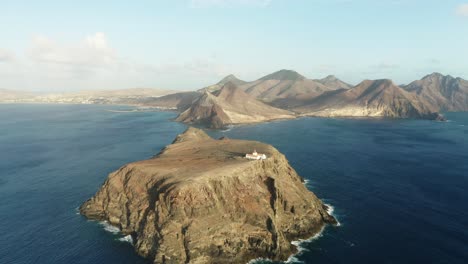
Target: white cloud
x,y
462,10
6,55
93,51
229,3
92,63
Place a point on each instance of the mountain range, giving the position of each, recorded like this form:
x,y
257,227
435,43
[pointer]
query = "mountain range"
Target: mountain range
x,y
444,92
331,97
283,94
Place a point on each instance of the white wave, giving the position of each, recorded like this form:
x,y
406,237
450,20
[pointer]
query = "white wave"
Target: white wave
x,y
293,259
299,244
127,239
228,128
306,182
109,228
330,211
77,210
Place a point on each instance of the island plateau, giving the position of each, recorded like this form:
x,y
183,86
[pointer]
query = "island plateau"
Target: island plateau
x,y
201,201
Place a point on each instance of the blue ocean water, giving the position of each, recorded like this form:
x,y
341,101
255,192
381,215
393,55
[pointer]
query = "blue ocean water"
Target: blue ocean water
x,y
399,187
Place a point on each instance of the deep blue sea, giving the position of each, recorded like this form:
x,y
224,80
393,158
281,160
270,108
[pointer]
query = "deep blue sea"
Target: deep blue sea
x,y
399,187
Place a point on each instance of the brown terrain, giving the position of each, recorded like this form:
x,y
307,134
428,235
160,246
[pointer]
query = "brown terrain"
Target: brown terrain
x,y
284,85
371,98
230,105
334,83
215,87
282,95
444,92
176,101
200,201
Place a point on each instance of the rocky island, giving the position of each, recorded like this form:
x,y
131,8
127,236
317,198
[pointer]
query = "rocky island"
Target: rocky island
x,y
201,201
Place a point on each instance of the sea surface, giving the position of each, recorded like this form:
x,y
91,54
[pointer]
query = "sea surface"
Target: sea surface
x,y
399,188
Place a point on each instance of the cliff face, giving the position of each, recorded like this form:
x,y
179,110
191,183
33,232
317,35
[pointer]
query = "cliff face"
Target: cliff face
x,y
200,201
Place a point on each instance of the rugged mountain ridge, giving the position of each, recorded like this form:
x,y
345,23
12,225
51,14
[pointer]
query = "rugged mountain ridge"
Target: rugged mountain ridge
x,y
284,85
370,98
332,82
200,201
228,79
230,105
444,92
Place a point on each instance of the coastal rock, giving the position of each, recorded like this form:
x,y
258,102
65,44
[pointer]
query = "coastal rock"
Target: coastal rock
x,y
200,201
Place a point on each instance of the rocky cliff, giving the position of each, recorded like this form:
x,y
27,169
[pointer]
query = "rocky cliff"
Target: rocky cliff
x,y
200,201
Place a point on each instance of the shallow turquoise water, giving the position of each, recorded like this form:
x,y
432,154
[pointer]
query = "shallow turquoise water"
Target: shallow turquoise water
x,y
399,187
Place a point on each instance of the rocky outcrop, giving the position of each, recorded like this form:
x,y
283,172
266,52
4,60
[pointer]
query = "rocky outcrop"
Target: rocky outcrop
x,y
230,105
200,201
370,98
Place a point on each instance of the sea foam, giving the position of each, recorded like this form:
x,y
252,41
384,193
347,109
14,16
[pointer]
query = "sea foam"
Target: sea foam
x,y
330,211
109,228
127,239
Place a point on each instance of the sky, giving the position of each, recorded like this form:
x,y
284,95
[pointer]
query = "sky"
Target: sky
x,y
55,46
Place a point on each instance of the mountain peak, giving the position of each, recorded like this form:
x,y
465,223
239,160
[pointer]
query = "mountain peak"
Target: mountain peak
x,y
191,134
330,78
436,75
284,75
377,83
332,82
231,78
230,91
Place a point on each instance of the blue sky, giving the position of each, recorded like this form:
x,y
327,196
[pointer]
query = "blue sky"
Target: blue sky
x,y
187,44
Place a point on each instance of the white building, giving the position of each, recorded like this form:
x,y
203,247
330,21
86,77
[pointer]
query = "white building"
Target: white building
x,y
255,156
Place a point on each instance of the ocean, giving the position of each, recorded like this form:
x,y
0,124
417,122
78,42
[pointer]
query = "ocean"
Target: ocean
x,y
399,188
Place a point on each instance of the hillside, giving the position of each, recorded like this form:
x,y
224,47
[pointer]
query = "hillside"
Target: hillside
x,y
230,105
444,92
215,87
334,83
370,98
284,84
176,101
